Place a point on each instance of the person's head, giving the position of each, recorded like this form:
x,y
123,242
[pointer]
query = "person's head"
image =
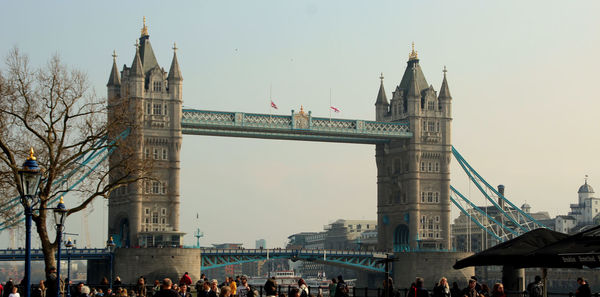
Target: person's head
x,y
140,281
455,285
301,282
295,292
214,284
244,280
166,283
443,281
580,280
185,273
42,285
225,291
183,288
109,291
175,287
472,283
156,282
202,276
206,286
79,287
485,288
340,278
85,290
118,278
419,281
538,278
498,287
15,289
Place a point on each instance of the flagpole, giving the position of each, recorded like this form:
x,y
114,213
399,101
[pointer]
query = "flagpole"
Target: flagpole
x,y
270,102
330,104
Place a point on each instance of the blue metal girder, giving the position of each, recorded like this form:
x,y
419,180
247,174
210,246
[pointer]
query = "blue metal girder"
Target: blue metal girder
x,y
37,255
213,258
297,126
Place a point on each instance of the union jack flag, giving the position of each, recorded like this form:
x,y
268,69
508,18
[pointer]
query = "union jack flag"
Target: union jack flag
x,y
273,105
334,109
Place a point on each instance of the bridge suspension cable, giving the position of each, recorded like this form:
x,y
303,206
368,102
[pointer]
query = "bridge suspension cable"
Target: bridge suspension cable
x,y
93,154
508,220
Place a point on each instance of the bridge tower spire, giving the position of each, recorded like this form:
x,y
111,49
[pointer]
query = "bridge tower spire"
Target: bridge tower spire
x,y
413,176
146,213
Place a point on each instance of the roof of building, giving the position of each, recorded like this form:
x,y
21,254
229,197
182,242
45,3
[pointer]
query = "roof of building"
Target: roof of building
x,y
444,90
174,72
381,97
114,79
585,188
147,54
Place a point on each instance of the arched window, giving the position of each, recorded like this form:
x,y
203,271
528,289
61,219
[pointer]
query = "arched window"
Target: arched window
x,y
401,236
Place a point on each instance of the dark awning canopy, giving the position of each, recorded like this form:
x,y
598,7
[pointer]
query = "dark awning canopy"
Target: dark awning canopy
x,y
514,252
576,251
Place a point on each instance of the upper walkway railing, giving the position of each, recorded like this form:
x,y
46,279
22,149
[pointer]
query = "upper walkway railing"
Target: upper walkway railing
x,y
36,254
297,126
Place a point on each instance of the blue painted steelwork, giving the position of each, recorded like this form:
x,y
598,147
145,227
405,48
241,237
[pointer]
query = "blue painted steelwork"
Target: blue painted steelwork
x,y
9,222
481,211
463,163
38,255
298,126
520,219
475,220
498,194
213,258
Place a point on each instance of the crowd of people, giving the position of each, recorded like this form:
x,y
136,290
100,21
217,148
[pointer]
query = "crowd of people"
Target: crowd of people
x,y
239,287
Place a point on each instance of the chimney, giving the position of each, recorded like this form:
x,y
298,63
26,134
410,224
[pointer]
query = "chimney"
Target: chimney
x,y
500,200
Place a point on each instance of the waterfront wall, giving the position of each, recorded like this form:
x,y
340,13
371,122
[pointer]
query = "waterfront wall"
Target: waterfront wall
x,y
431,266
152,263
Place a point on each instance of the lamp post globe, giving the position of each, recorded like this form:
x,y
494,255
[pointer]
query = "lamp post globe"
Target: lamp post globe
x,y
60,215
29,176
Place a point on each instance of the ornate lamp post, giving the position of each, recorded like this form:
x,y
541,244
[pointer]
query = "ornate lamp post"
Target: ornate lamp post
x,y
69,245
60,215
30,176
110,244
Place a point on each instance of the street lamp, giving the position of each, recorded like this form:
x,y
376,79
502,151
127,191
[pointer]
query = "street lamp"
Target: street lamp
x,y
69,245
30,176
110,244
60,214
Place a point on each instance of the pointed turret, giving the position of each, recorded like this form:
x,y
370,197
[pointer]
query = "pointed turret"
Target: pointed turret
x,y
174,72
382,106
174,78
136,65
146,52
444,90
114,79
381,97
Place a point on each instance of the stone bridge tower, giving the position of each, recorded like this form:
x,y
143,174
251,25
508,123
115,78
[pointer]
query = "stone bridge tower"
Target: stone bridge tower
x,y
413,175
146,213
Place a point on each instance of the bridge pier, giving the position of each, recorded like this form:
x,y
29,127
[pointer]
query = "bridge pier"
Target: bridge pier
x,y
152,263
431,266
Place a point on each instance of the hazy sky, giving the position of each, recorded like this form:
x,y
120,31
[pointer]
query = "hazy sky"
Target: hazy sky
x,y
523,76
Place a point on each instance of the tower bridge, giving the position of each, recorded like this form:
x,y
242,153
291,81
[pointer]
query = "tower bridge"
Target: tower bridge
x,y
413,150
411,135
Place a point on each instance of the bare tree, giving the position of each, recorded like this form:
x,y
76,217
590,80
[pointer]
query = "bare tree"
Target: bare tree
x,y
54,110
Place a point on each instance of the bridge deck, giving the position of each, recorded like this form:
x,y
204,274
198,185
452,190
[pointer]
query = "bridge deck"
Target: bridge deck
x,y
297,126
213,258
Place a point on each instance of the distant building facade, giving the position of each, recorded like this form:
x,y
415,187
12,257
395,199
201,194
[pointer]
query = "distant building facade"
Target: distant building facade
x,y
339,235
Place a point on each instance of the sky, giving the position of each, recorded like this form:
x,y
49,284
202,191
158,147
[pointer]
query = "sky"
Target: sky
x,y
522,74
